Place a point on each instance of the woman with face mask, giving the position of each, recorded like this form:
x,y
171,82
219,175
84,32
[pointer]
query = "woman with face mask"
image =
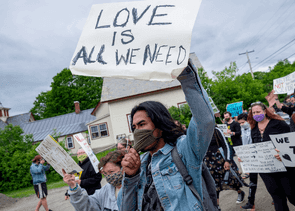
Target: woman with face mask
x,y
280,185
104,198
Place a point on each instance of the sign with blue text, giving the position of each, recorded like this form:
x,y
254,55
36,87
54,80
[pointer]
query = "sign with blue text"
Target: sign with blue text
x,y
285,142
259,158
147,40
235,108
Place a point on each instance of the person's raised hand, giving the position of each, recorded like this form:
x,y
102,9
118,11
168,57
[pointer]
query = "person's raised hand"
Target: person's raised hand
x,y
131,162
277,156
42,161
239,159
69,179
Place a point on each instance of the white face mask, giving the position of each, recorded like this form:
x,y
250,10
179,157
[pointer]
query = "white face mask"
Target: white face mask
x,y
246,125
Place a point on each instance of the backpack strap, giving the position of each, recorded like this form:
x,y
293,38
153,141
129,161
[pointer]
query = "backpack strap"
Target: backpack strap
x,y
184,173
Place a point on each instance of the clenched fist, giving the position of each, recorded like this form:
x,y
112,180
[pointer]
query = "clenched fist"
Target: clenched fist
x,y
69,179
131,162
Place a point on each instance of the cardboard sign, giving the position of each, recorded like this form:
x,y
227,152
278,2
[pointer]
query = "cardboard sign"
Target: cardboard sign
x,y
286,144
223,128
56,156
147,40
271,98
83,143
285,84
235,108
215,109
259,158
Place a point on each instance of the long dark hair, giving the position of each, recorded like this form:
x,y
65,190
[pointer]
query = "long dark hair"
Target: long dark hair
x,y
269,114
161,119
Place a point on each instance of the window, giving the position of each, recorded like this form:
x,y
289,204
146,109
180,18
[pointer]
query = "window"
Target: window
x,y
179,105
70,143
129,122
103,130
98,131
94,132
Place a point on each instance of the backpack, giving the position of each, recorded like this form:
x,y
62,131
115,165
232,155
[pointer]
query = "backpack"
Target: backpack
x,y
209,202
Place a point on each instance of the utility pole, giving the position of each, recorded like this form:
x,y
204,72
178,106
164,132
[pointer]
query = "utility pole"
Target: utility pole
x,y
249,61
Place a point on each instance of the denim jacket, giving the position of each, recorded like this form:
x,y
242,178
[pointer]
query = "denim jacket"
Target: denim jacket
x,y
173,193
38,172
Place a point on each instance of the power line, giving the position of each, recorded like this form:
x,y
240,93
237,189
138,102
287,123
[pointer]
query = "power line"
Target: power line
x,y
274,52
291,55
264,26
287,28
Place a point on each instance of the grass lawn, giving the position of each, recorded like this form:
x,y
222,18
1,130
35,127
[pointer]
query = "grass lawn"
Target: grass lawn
x,y
25,192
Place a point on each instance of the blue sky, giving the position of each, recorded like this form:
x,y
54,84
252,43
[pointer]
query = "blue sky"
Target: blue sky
x,y
38,39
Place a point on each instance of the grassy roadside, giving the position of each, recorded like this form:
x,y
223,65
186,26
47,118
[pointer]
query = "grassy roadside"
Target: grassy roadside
x,y
25,192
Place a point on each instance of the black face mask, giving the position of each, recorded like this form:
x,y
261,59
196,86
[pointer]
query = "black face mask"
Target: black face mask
x,y
143,138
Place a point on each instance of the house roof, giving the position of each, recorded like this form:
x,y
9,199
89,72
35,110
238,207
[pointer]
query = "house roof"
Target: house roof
x,y
65,125
2,124
114,88
19,119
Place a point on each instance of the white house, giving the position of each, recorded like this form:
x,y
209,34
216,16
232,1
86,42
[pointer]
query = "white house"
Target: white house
x,y
119,96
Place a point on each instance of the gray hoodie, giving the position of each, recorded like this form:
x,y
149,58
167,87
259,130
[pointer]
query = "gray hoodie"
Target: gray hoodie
x,y
103,199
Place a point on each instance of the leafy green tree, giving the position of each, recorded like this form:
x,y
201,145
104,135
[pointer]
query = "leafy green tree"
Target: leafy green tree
x,y
182,114
65,89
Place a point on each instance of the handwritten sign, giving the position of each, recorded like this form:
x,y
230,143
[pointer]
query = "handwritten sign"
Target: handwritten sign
x,y
58,158
284,84
286,144
83,143
235,108
259,158
223,128
147,40
214,107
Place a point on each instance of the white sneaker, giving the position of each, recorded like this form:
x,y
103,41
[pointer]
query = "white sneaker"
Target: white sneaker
x,y
241,197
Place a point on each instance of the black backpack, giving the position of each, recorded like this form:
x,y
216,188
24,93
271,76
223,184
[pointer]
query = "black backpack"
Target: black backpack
x,y
209,202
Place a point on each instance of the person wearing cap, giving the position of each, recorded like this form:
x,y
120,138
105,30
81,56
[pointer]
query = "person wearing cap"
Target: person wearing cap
x,y
152,181
37,171
122,144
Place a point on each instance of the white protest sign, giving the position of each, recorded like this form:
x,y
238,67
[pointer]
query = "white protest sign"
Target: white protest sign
x,y
56,156
286,144
259,158
147,40
223,128
83,143
215,109
284,84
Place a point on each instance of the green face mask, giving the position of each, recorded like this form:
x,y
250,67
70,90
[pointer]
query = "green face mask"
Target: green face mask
x,y
143,138
82,157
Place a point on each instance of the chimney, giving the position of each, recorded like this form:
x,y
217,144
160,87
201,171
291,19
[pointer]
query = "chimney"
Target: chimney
x,y
77,107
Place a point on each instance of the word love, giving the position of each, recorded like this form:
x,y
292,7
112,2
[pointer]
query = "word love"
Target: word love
x,y
124,14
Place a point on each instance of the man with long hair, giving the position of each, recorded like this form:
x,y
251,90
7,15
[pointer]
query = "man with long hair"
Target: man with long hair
x,y
152,181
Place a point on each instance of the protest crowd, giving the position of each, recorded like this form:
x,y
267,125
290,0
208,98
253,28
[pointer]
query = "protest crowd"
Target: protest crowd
x,y
144,181
172,166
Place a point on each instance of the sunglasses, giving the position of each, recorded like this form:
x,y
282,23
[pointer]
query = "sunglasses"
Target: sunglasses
x,y
258,103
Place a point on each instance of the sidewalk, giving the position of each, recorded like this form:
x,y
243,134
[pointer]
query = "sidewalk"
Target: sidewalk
x,y
55,199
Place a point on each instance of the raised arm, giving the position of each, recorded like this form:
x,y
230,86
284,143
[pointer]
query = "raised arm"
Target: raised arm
x,y
201,126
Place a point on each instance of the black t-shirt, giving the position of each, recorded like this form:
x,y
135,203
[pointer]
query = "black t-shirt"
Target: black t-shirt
x,y
236,139
273,127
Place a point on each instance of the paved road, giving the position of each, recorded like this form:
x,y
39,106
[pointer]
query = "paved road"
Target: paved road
x,y
228,199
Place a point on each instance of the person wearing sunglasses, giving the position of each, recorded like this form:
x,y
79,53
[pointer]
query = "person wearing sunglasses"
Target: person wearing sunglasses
x,y
280,185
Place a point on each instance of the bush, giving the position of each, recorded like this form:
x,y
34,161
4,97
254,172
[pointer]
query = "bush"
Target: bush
x,y
17,152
